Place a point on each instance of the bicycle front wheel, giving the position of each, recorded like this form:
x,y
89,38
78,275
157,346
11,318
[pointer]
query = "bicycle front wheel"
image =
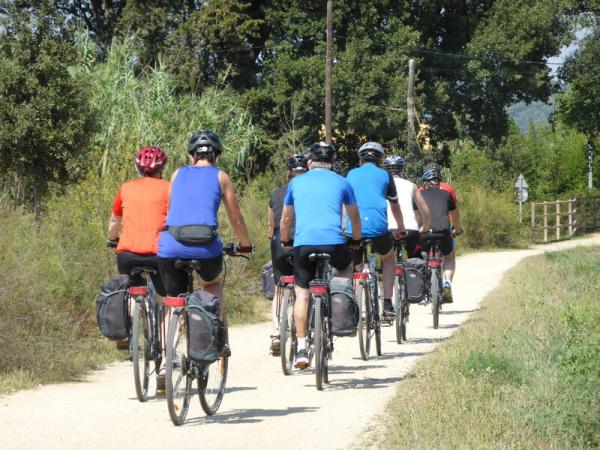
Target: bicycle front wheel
x,y
364,320
320,344
178,380
211,383
141,351
435,298
287,333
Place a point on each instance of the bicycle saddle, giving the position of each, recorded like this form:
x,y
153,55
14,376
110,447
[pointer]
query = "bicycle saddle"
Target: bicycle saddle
x,y
187,264
436,236
141,269
319,257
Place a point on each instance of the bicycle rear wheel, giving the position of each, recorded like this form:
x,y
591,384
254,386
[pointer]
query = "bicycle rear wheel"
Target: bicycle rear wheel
x,y
141,351
212,381
178,380
320,344
376,313
364,320
287,333
435,298
398,285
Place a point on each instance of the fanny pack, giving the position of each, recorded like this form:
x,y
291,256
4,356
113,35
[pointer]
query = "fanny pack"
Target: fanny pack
x,y
192,234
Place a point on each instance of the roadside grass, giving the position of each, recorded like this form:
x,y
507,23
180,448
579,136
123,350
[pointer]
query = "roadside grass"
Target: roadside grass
x,y
523,372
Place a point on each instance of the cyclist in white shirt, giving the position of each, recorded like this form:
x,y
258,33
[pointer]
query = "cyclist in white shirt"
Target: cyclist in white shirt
x,y
409,198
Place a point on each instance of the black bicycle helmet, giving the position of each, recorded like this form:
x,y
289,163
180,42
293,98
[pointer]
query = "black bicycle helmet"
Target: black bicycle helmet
x,y
394,164
432,172
204,141
321,152
371,151
297,163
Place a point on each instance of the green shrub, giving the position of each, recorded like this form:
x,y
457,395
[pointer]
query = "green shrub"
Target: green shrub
x,y
489,218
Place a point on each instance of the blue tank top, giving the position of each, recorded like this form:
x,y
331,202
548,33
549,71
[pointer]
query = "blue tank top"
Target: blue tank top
x,y
195,200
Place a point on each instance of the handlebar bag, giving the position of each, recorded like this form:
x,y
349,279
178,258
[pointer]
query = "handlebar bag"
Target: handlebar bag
x,y
344,309
206,330
193,234
111,308
416,273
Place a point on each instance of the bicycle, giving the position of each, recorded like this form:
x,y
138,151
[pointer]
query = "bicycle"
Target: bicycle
x,y
369,323
181,370
321,317
146,334
287,328
434,263
401,304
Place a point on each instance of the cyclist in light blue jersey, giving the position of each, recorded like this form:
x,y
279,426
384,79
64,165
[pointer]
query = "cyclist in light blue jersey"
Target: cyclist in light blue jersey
x,y
374,188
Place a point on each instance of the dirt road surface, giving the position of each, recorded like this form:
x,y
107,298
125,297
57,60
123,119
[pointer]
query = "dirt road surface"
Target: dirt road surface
x,y
262,409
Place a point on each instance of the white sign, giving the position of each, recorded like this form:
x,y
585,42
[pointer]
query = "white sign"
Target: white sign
x,y
522,189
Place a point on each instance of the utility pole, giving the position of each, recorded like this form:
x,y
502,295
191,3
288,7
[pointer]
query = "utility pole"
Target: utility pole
x,y
329,72
412,146
590,155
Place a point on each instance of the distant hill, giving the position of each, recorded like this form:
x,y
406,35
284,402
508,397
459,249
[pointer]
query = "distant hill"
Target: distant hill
x,y
536,112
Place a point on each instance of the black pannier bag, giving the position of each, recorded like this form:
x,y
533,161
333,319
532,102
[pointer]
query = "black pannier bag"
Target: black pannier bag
x,y
416,274
268,280
344,310
111,308
206,331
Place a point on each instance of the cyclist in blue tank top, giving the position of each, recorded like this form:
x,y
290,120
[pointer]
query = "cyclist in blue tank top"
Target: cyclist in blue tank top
x,y
195,194
315,201
374,188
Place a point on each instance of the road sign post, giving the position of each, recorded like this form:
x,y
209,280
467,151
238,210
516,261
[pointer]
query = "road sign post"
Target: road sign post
x,y
522,193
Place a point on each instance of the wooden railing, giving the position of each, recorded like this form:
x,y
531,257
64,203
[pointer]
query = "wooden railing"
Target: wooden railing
x,y
564,218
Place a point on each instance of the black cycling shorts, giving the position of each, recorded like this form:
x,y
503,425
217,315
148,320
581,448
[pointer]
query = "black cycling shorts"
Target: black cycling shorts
x,y
176,280
305,271
446,244
380,245
279,255
127,261
410,244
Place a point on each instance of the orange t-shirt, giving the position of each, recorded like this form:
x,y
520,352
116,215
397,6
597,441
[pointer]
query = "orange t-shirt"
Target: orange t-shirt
x,y
142,205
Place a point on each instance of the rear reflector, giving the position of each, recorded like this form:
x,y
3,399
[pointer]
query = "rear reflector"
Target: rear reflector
x,y
138,290
318,289
174,302
287,279
360,276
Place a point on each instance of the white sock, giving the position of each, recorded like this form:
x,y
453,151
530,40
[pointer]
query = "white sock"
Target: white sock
x,y
301,343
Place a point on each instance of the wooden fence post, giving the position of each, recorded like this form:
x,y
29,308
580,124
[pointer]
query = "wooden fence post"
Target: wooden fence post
x,y
570,207
545,221
557,220
532,221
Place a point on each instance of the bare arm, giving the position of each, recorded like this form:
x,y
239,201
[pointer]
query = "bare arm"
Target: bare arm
x,y
173,175
114,227
271,229
233,210
397,213
285,226
354,216
423,216
455,218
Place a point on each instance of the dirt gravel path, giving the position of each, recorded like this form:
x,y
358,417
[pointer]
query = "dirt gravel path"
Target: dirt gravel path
x,y
262,409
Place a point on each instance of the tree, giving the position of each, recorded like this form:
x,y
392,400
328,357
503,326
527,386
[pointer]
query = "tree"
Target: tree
x,y
45,117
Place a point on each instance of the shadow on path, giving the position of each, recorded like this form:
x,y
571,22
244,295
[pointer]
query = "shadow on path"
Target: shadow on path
x,y
248,415
466,311
366,383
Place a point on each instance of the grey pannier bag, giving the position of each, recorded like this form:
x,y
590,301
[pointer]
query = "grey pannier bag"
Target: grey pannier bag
x,y
267,280
206,331
344,310
416,274
111,308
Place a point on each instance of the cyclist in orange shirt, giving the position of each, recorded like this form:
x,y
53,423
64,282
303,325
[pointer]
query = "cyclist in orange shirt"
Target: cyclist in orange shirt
x,y
138,214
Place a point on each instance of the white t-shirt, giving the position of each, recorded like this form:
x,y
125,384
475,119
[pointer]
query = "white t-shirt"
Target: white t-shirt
x,y
405,191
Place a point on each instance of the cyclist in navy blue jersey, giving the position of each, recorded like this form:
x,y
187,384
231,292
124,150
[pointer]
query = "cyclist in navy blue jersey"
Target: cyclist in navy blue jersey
x,y
315,200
